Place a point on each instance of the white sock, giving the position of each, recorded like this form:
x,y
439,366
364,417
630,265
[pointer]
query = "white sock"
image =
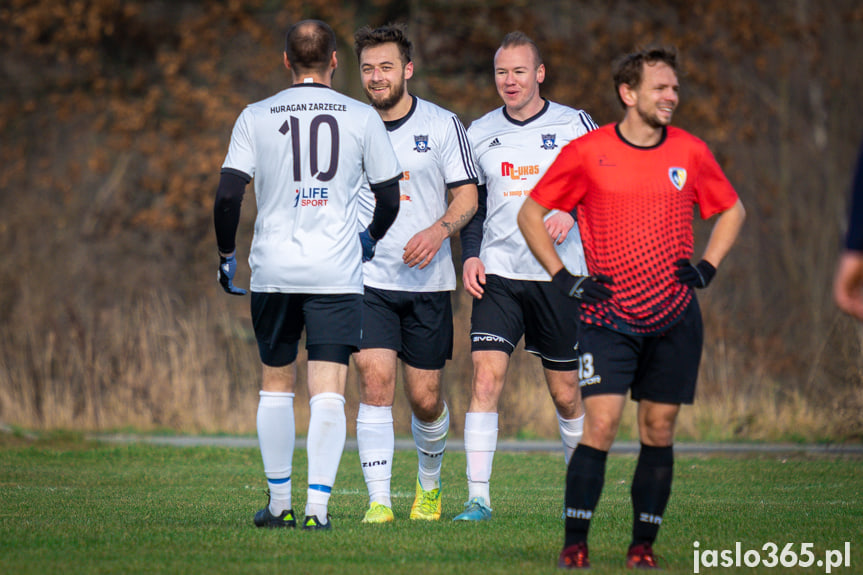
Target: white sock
x,y
376,444
276,437
570,433
325,444
480,443
430,439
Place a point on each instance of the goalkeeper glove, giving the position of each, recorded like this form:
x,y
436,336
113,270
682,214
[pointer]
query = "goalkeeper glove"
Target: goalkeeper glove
x,y
227,269
697,276
368,243
589,289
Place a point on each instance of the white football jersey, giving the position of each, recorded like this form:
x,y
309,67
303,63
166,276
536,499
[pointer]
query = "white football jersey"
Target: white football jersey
x,y
309,149
511,157
433,150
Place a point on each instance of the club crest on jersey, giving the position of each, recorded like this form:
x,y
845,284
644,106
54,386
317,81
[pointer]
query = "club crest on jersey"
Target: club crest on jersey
x,y
677,177
422,143
548,141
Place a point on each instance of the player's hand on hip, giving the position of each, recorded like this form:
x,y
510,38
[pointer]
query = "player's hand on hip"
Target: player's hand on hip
x,y
423,246
227,269
589,289
558,225
473,277
368,243
697,276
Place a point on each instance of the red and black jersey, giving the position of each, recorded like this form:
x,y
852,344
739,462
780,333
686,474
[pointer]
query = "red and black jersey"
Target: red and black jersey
x,y
635,209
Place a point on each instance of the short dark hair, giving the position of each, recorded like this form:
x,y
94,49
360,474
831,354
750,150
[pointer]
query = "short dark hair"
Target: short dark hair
x,y
629,69
309,45
368,37
519,38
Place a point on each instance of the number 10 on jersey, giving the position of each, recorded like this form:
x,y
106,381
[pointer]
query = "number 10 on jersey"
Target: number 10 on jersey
x,y
309,141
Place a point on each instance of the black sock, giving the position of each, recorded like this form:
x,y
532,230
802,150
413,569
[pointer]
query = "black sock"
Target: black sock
x,y
585,477
651,488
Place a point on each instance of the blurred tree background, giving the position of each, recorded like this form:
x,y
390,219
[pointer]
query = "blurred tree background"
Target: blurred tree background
x,y
116,116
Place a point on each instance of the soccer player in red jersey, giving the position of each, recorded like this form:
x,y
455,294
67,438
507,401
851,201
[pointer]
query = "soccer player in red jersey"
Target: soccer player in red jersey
x,y
635,184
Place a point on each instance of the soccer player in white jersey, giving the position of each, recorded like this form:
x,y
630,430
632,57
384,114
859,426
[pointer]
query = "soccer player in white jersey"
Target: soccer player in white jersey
x,y
513,295
407,313
309,149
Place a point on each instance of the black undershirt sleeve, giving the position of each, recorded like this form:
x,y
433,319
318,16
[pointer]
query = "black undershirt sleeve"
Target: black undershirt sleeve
x,y
387,201
854,239
471,234
226,209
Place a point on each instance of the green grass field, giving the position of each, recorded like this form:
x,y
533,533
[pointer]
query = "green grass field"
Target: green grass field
x,y
72,506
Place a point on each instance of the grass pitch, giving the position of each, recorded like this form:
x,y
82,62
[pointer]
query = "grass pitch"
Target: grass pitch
x,y
72,506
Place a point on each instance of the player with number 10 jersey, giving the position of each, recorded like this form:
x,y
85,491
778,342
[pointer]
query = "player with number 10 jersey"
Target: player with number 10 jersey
x,y
309,149
302,243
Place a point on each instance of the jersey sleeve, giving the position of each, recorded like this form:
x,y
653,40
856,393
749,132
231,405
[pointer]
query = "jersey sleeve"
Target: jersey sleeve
x,y
379,158
584,124
241,151
713,191
480,175
557,188
456,155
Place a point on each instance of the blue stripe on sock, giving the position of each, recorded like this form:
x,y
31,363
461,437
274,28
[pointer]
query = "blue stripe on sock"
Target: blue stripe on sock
x,y
278,481
323,488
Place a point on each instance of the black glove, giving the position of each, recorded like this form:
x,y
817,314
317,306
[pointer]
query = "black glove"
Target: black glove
x,y
697,276
227,269
589,289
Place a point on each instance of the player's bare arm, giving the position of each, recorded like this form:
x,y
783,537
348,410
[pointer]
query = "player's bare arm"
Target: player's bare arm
x,y
558,225
724,234
422,247
530,222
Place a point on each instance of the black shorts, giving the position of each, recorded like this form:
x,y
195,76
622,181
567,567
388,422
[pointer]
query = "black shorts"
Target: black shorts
x,y
661,368
418,325
329,319
546,317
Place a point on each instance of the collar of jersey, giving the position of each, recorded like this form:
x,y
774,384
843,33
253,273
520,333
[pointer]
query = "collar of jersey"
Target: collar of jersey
x,y
630,144
393,125
529,120
310,85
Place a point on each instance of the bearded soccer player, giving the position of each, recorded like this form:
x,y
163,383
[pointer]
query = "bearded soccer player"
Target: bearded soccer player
x,y
513,296
407,311
309,149
634,185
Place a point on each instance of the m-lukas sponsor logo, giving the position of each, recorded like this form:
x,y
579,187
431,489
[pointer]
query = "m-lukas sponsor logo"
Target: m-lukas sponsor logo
x,y
518,172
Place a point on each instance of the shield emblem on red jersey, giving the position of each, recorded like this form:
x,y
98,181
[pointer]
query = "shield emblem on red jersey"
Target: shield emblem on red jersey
x,y
677,177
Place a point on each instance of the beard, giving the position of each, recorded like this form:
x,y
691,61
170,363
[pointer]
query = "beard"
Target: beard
x,y
386,102
653,120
